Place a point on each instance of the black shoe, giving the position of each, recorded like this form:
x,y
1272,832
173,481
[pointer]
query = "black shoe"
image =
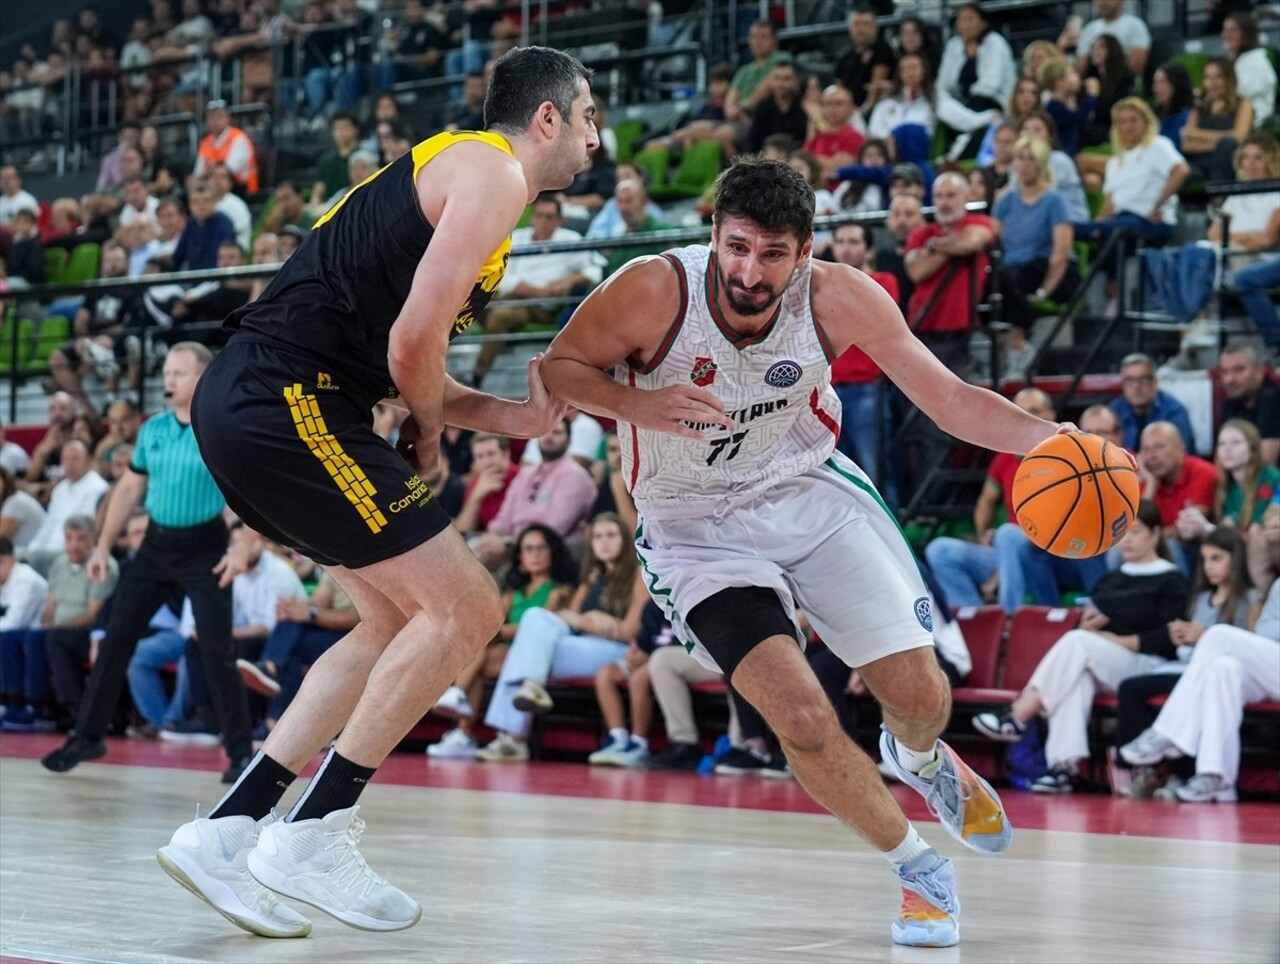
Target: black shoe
x,y
235,769
258,677
678,756
74,751
744,763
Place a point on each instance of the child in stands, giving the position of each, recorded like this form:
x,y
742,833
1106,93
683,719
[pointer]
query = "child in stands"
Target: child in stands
x,y
1223,595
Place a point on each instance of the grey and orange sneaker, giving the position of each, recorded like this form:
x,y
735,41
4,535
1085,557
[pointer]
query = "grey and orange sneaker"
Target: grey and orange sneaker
x,y
965,804
930,914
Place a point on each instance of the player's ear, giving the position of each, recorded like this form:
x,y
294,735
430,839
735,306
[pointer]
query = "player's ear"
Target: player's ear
x,y
546,118
806,249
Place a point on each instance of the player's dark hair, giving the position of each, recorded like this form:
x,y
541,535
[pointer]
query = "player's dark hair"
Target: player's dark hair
x,y
768,193
525,78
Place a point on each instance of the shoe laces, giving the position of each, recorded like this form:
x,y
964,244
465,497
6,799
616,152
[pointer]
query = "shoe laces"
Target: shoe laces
x,y
924,895
947,781
350,869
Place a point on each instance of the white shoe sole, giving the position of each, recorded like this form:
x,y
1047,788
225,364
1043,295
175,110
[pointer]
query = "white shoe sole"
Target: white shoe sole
x,y
273,879
256,680
176,865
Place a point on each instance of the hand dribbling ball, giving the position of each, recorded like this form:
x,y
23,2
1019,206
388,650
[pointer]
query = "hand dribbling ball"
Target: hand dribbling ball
x,y
1076,495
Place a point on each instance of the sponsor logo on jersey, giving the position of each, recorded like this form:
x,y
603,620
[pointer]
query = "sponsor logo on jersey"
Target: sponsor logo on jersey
x,y
924,613
704,372
783,374
744,415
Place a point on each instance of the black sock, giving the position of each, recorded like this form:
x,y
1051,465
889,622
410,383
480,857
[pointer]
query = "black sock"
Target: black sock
x,y
259,789
336,786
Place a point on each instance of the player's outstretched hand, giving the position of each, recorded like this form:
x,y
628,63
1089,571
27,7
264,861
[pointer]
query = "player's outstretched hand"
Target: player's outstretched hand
x,y
542,409
676,408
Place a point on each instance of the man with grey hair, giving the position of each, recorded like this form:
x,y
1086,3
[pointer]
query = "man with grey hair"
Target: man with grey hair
x,y
1141,403
1251,394
77,494
947,262
906,214
70,610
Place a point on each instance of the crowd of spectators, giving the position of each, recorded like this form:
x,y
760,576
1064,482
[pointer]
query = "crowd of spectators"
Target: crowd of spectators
x,y
1078,138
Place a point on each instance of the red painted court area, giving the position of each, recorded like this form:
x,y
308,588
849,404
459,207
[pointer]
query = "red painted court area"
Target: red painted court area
x,y
1250,823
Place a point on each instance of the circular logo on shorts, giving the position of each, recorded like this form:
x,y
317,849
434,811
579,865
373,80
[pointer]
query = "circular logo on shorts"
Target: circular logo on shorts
x,y
924,613
783,374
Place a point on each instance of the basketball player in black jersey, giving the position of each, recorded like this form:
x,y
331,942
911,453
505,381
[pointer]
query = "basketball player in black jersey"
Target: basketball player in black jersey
x,y
365,310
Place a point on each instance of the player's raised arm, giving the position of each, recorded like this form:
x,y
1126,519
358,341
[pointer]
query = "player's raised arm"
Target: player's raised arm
x,y
853,309
469,226
626,319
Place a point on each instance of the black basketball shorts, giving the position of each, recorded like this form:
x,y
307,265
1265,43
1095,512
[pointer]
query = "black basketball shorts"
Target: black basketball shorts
x,y
297,458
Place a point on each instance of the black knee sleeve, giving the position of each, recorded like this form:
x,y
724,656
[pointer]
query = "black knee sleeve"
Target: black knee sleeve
x,y
735,621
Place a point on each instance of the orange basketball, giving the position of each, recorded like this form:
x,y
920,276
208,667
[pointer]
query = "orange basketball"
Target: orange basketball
x,y
1076,495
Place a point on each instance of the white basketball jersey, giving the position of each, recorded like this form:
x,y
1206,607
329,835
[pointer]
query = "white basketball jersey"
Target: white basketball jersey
x,y
775,385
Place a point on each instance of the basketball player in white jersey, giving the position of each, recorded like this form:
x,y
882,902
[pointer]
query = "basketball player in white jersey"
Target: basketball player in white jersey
x,y
719,358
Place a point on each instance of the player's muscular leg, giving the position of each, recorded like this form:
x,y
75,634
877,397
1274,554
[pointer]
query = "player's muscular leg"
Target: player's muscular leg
x,y
454,609
335,682
777,680
426,650
913,693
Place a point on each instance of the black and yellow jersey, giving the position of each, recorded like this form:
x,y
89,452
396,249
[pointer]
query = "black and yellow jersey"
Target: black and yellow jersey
x,y
337,297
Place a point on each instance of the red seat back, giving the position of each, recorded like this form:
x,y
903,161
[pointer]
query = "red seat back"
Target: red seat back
x,y
983,630
1034,631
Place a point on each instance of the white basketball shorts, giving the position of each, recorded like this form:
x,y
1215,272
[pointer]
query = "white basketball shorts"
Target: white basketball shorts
x,y
824,541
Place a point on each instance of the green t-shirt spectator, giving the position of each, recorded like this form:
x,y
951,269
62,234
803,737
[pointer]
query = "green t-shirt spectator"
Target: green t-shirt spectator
x,y
1233,501
617,257
71,586
750,76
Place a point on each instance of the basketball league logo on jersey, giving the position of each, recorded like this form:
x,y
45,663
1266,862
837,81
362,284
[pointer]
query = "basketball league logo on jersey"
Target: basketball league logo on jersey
x,y
783,374
924,613
704,372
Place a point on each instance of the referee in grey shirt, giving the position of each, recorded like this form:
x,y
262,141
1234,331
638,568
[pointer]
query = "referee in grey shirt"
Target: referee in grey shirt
x,y
186,549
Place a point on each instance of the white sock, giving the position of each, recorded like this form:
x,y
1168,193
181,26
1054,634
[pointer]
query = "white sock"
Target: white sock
x,y
640,740
912,846
915,760
619,734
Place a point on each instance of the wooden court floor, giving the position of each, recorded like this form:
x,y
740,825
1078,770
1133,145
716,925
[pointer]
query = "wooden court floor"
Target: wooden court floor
x,y
569,876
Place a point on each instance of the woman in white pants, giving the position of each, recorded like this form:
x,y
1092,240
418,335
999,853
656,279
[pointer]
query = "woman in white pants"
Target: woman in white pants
x,y
1229,668
595,628
1124,632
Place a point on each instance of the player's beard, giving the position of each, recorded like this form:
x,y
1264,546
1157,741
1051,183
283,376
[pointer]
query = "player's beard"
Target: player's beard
x,y
748,302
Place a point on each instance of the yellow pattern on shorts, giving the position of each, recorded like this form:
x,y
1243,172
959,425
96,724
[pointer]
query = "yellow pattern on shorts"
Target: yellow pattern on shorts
x,y
348,476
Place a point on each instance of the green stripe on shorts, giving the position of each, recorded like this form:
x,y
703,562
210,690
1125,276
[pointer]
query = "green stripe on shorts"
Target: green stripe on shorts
x,y
871,491
673,617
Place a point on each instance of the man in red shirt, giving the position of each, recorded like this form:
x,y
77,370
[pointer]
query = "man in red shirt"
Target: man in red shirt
x,y
864,398
837,142
492,472
947,261
1174,481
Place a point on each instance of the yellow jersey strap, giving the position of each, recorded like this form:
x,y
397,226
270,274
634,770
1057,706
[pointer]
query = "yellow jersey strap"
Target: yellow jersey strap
x,y
426,151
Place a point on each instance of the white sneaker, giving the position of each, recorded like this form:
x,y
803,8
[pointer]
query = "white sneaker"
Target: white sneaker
x,y
208,858
503,749
1206,788
1148,749
454,745
453,704
317,862
532,697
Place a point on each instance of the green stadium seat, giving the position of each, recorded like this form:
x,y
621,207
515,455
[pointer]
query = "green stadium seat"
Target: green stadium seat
x,y
654,161
698,170
55,265
83,263
628,132
1195,66
54,331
